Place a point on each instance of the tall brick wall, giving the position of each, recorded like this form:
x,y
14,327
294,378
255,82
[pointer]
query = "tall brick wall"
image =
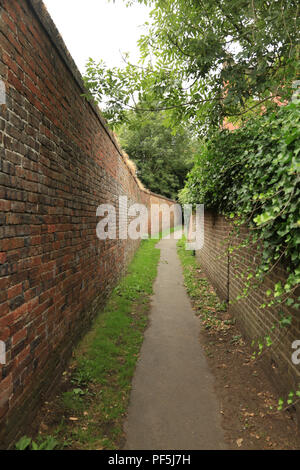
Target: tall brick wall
x,y
58,163
225,271
168,213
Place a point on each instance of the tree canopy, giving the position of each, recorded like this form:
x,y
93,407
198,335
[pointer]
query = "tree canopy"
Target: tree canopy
x,y
162,158
205,60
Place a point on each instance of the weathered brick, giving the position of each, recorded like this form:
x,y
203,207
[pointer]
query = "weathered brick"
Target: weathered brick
x,y
225,271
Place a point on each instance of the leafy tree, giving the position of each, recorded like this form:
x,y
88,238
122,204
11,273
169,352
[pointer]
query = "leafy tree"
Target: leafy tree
x,y
205,59
162,157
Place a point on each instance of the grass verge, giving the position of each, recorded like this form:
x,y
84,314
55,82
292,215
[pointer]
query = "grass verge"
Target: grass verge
x,y
90,409
204,299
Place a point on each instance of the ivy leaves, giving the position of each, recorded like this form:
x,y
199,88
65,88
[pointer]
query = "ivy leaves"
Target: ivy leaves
x,y
253,173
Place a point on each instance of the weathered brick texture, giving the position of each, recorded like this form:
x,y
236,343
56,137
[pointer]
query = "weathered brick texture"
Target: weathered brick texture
x,y
225,270
58,163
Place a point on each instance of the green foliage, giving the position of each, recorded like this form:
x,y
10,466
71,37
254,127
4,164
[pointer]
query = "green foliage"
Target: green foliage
x,y
75,399
162,158
193,49
252,174
26,443
291,400
23,443
114,88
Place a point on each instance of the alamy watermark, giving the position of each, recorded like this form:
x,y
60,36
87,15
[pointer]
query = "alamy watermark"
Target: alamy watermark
x,y
2,353
296,354
137,221
2,93
296,94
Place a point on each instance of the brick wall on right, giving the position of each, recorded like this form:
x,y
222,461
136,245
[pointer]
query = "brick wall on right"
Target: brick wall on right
x,y
225,271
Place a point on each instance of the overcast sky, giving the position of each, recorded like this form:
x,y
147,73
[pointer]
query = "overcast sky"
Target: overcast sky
x,y
98,28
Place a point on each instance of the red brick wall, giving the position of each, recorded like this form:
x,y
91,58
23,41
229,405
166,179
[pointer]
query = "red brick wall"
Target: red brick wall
x,y
59,162
225,270
168,213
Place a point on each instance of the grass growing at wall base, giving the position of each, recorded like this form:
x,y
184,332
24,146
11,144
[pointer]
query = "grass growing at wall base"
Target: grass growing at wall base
x,y
204,299
92,408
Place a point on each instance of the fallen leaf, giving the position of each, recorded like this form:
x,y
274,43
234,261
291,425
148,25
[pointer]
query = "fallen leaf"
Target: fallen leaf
x,y
44,427
239,442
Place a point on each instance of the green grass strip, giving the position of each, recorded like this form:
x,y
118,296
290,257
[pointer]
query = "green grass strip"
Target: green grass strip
x,y
92,407
92,410
107,356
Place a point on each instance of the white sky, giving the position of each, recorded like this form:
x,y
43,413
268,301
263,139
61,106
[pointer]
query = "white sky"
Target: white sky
x,y
98,29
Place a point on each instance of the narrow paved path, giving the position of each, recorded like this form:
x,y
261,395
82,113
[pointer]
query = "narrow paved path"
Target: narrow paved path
x,y
173,405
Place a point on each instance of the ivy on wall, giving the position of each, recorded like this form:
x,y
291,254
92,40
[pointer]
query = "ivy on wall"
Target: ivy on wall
x,y
252,175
